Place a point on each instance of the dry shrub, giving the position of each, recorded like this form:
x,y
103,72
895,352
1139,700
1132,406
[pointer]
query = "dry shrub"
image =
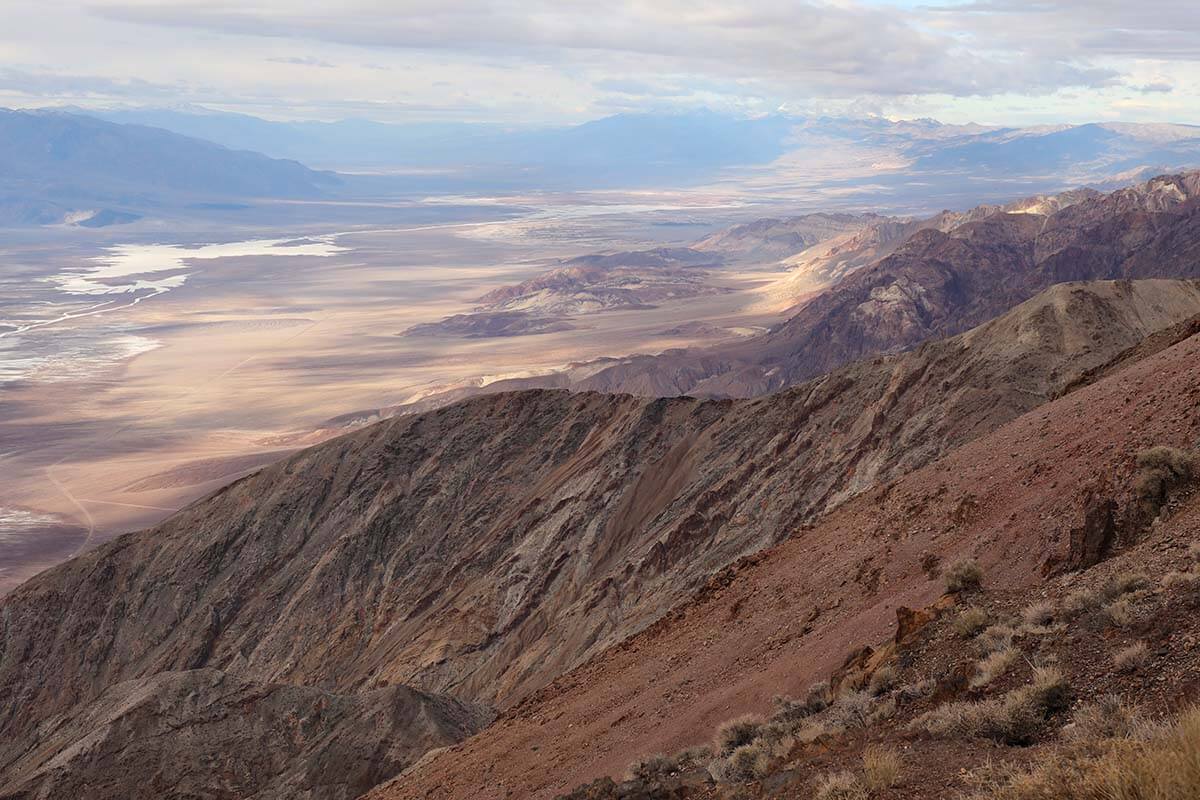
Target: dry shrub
x,y
964,575
882,680
653,768
1107,718
1131,658
840,786
747,762
1080,602
881,767
1013,718
1162,470
993,666
1125,583
997,637
737,732
852,710
1165,766
1039,613
971,621
917,690
1193,551
1181,581
1120,613
819,697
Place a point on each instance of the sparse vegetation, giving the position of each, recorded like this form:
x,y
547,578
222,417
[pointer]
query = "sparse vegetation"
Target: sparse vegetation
x,y
1080,602
993,666
1119,613
997,637
964,576
852,710
737,732
1013,718
1106,718
1039,613
747,762
882,680
881,768
652,767
1161,766
1161,470
840,786
1181,581
1125,583
971,621
1131,658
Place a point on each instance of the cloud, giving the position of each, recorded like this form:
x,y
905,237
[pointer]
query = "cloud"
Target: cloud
x,y
301,61
57,85
829,49
1156,87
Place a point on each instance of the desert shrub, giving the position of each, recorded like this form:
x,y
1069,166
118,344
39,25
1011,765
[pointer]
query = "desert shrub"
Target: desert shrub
x,y
819,697
964,575
1131,658
1160,471
1106,718
1013,718
881,767
653,767
1039,613
883,711
1080,602
840,786
1120,613
1165,766
917,690
851,710
882,680
1193,551
971,621
997,637
1125,583
1181,581
736,733
747,762
993,665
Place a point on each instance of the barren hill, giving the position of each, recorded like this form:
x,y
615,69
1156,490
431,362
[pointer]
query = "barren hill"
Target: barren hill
x,y
483,549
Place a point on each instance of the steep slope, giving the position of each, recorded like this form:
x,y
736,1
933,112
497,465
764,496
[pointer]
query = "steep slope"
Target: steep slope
x,y
1018,500
769,240
240,739
482,549
942,283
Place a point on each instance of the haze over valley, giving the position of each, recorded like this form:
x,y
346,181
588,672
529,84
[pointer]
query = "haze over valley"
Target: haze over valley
x,y
516,401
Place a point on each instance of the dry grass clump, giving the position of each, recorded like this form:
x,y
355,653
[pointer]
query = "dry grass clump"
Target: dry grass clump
x,y
747,762
1181,581
1120,613
1161,470
852,710
882,680
997,637
964,575
881,767
1164,766
993,666
652,767
840,786
1107,718
1080,602
1039,613
819,697
1193,551
737,732
1131,658
971,621
1125,583
1013,718
916,690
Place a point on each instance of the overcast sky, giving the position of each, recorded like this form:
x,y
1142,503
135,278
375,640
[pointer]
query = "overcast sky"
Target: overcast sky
x,y
991,61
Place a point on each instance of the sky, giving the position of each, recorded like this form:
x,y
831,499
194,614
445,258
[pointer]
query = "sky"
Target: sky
x,y
565,61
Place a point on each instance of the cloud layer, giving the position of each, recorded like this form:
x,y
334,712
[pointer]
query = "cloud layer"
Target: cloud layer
x,y
510,59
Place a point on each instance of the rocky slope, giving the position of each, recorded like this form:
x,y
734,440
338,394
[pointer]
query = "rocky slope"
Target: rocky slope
x,y
482,549
213,734
942,283
1023,501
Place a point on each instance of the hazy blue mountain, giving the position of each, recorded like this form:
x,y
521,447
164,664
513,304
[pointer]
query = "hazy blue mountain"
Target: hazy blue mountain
x,y
56,165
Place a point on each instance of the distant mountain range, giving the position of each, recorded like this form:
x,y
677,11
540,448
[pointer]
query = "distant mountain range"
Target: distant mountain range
x,y
106,167
57,166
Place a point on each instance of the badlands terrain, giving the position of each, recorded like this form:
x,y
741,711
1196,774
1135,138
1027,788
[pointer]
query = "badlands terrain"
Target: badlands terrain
x,y
933,487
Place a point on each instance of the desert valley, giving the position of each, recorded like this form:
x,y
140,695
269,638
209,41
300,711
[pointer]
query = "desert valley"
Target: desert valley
x,y
521,403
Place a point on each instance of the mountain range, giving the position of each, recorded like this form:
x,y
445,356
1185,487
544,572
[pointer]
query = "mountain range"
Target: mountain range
x,y
610,574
